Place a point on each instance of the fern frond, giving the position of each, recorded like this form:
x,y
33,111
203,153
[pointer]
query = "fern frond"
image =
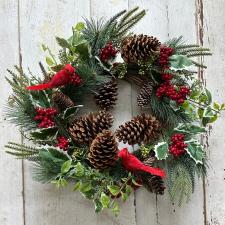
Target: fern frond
x,y
197,54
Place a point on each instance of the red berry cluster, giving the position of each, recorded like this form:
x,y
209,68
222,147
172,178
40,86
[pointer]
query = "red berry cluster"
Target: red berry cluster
x,y
75,79
62,143
108,52
169,90
165,53
45,116
177,147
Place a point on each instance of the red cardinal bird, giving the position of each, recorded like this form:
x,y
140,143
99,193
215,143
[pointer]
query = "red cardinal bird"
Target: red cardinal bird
x,y
131,163
63,77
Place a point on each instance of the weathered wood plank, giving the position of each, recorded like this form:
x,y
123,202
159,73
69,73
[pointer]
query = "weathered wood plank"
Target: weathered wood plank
x,y
155,24
181,21
213,33
11,185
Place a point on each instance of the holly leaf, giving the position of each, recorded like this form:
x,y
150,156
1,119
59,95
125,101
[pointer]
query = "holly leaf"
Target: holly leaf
x,y
179,61
114,189
105,200
70,111
195,151
124,196
85,187
98,206
161,150
190,129
45,134
115,208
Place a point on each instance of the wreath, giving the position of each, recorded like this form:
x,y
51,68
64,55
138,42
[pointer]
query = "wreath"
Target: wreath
x,y
70,146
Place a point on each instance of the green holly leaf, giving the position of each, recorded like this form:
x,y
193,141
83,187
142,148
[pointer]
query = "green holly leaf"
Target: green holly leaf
x,y
98,206
114,189
105,200
190,129
77,186
161,150
85,187
45,134
70,112
66,166
179,61
79,169
124,196
128,189
195,151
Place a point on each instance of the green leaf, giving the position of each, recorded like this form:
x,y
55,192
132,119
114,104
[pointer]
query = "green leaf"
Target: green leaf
x,y
77,186
128,189
49,61
179,61
216,106
114,189
115,208
124,196
223,106
57,68
200,113
209,96
79,26
66,166
45,134
161,150
85,187
79,169
190,129
44,47
63,42
195,150
98,206
213,119
70,111
105,200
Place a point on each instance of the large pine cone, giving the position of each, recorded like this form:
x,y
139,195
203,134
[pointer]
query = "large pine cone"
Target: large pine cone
x,y
85,128
144,96
141,129
107,95
139,47
61,101
103,151
153,183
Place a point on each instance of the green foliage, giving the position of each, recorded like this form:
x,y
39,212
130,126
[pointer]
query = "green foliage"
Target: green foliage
x,y
161,150
22,151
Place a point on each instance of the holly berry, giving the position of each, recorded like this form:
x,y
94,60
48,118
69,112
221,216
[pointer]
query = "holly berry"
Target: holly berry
x,y
165,53
166,89
177,146
45,116
62,143
108,52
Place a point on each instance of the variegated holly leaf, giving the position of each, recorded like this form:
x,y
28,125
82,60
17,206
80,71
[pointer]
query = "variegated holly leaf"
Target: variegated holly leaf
x,y
195,150
161,150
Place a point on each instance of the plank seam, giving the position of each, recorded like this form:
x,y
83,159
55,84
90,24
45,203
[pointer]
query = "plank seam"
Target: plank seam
x,y
200,39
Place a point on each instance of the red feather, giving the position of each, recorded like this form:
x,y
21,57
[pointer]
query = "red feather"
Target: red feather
x,y
132,163
38,87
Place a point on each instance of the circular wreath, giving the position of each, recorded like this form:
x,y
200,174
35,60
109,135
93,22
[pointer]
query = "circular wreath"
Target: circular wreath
x,y
70,146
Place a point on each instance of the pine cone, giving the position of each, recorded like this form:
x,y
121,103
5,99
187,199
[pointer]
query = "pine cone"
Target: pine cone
x,y
153,183
139,47
61,101
141,129
107,95
103,150
143,98
84,129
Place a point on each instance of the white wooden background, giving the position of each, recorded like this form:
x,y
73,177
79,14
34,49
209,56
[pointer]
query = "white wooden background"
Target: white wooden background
x,y
24,24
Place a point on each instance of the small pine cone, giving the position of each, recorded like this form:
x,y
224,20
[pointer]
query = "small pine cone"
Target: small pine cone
x,y
107,95
61,101
139,47
84,129
144,96
153,183
103,151
141,129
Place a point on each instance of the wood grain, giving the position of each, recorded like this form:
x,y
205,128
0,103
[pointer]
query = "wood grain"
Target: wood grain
x,y
11,182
